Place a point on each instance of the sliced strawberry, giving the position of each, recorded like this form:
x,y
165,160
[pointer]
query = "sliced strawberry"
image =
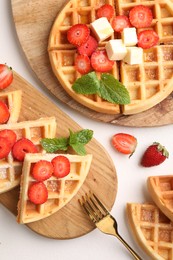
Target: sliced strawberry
x,y
88,47
21,147
6,76
100,61
120,22
4,113
5,147
61,166
42,170
38,193
106,11
78,34
140,16
82,64
124,143
147,39
9,134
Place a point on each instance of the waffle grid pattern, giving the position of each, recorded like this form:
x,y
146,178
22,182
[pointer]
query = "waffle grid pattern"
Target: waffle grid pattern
x,y
60,191
153,229
11,169
13,101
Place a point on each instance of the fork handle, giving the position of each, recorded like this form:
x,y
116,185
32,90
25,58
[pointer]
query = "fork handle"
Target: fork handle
x,y
134,254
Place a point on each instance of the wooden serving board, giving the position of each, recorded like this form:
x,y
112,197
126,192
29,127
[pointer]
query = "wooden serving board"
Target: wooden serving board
x,y
33,20
70,221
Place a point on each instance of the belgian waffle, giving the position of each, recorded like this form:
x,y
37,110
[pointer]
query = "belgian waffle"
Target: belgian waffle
x,y
152,230
161,191
60,191
11,169
148,83
13,101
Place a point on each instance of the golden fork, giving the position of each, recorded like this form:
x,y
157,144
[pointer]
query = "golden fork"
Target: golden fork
x,y
103,220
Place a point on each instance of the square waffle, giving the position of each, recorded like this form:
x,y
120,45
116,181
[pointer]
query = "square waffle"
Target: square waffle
x,y
148,83
11,169
161,191
13,101
60,190
152,230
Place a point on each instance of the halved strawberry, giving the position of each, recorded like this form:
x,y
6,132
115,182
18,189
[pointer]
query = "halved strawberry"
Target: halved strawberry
x,y
10,135
82,64
6,76
88,47
61,166
147,39
42,170
4,113
5,147
21,147
38,193
140,16
120,22
78,34
124,143
100,61
106,11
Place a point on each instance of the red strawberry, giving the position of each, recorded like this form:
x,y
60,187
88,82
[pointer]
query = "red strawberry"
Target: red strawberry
x,y
82,64
78,34
4,113
5,147
106,11
140,16
61,166
100,61
6,76
9,135
38,193
88,47
124,143
154,155
147,39
120,22
21,147
42,170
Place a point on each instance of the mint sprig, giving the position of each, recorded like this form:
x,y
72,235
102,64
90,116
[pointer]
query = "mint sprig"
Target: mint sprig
x,y
107,87
77,140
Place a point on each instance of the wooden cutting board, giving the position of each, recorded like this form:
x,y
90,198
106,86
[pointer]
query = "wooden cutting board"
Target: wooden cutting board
x,y
70,221
33,21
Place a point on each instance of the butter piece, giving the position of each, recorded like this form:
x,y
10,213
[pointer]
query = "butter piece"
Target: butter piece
x,y
129,36
101,28
116,49
134,55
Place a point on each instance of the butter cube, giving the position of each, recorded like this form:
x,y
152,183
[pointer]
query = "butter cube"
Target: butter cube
x,y
129,36
101,28
115,49
134,55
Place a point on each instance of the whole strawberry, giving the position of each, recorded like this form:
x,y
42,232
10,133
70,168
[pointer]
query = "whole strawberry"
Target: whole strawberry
x,y
154,155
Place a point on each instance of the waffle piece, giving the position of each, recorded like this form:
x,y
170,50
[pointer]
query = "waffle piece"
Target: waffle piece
x,y
11,169
60,190
13,100
151,229
161,191
148,83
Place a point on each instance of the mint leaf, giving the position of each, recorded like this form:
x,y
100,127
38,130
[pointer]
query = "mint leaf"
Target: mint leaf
x,y
80,137
79,149
52,145
87,84
112,90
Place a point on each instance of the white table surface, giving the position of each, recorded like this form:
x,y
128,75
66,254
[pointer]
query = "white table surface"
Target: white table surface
x,y
19,242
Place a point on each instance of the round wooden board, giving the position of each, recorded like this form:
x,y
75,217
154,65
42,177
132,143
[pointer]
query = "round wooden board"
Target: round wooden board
x,y
33,20
70,221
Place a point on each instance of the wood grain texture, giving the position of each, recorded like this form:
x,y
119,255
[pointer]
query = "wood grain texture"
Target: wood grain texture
x,y
33,21
70,221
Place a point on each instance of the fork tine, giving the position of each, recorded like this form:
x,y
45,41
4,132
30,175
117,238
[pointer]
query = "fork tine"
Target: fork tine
x,y
106,212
